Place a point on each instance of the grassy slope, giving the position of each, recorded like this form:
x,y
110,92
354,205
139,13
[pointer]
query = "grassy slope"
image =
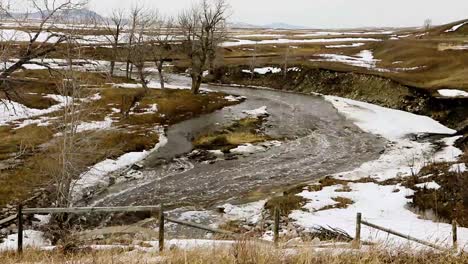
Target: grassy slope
x,y
443,68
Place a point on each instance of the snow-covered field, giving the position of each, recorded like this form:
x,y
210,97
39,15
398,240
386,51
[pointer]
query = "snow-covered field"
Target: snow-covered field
x,y
241,42
363,59
380,204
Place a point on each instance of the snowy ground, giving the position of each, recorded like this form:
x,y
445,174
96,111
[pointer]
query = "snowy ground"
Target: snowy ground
x,y
456,27
384,205
97,175
11,111
241,42
453,93
353,45
363,59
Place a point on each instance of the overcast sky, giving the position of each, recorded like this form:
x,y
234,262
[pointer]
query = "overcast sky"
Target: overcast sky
x,y
320,13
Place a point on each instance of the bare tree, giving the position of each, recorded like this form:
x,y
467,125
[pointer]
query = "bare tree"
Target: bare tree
x,y
202,27
427,24
41,41
142,25
162,35
115,26
253,61
286,62
133,24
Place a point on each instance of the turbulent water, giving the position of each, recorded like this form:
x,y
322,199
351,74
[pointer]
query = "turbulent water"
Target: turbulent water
x,y
319,142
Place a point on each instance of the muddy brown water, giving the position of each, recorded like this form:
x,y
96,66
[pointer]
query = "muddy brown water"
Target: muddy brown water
x,y
320,142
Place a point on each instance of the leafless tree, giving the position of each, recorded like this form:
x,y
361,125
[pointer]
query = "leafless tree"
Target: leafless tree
x,y
41,41
162,36
72,145
286,62
202,27
132,32
427,24
115,26
142,24
253,62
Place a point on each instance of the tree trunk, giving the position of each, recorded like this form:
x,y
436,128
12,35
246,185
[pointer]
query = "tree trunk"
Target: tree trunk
x,y
112,67
127,70
196,83
161,76
142,78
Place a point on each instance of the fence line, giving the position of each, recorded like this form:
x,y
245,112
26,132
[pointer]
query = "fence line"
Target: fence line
x,y
360,222
162,219
81,210
8,220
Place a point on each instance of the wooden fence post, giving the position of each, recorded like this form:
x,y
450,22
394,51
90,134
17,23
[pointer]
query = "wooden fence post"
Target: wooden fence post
x,y
20,228
454,235
276,226
357,239
161,228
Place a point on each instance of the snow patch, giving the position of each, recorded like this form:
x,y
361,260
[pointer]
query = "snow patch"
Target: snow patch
x,y
31,238
353,45
364,59
259,112
456,27
389,123
242,42
95,176
247,149
428,185
380,205
452,93
458,168
11,111
264,70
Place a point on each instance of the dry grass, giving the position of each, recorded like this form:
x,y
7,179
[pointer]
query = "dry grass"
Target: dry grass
x,y
341,203
286,204
133,128
246,130
242,252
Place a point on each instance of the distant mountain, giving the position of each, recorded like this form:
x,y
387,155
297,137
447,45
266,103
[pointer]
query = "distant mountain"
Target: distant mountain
x,y
276,25
242,25
73,15
283,26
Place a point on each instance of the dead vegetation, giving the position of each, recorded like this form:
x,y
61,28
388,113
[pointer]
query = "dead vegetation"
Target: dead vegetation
x,y
246,130
447,203
241,252
30,152
286,204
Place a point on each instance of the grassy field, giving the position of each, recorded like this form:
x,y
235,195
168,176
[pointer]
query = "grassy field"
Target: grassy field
x,y
29,154
438,67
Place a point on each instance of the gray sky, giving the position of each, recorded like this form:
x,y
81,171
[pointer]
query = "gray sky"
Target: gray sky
x,y
320,13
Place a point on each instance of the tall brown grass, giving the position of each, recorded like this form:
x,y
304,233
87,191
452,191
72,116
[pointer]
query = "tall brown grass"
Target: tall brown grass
x,y
241,252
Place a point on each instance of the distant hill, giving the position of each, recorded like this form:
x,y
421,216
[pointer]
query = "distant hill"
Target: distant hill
x,y
277,25
283,26
73,15
455,28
